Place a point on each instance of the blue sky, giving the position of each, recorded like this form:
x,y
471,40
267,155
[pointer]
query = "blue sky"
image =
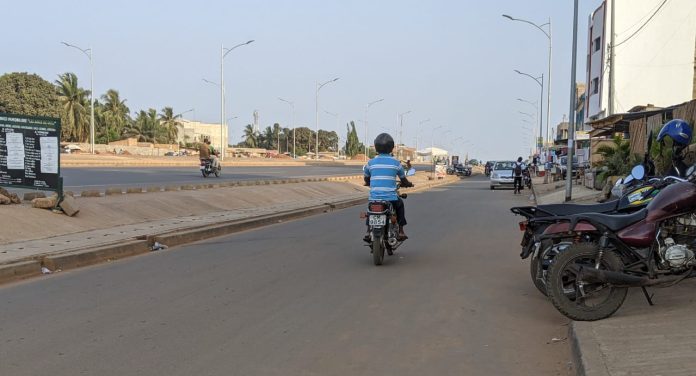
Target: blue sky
x,y
450,61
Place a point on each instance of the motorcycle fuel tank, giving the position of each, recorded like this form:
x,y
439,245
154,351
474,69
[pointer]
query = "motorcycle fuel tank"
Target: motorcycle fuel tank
x,y
674,200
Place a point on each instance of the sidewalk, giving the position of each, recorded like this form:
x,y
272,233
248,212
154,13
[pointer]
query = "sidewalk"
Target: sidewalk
x,y
638,340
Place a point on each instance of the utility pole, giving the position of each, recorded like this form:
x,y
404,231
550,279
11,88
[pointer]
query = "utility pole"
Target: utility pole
x,y
571,112
612,60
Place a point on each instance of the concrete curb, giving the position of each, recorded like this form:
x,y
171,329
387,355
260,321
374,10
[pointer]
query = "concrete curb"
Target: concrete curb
x,y
584,348
19,270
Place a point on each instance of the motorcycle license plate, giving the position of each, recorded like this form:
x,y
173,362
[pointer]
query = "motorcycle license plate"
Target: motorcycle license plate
x,y
378,220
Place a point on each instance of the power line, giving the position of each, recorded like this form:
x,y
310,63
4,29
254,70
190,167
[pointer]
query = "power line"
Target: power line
x,y
642,26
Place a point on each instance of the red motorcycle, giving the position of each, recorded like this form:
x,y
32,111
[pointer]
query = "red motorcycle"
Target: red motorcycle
x,y
653,247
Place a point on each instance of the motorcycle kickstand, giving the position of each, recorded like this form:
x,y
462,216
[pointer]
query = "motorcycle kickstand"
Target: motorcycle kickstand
x,y
647,296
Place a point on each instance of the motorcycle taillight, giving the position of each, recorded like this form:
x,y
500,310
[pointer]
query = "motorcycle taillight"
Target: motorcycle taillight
x,y
523,226
376,207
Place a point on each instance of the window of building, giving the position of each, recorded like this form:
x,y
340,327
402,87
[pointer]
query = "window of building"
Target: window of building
x,y
597,43
595,85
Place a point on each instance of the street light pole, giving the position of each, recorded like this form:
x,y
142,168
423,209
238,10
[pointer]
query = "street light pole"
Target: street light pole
x,y
223,52
420,123
88,52
292,123
401,132
367,107
316,97
336,116
549,35
571,112
540,81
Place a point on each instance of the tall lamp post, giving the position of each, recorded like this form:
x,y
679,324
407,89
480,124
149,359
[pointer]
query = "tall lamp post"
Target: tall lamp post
x,y
336,116
401,131
316,99
88,52
548,78
367,107
571,111
540,81
420,124
292,123
223,52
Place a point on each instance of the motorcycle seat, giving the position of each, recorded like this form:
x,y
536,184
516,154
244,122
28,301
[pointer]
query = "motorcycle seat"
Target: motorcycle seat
x,y
614,222
572,209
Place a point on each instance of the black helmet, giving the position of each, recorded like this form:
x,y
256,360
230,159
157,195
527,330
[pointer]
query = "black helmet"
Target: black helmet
x,y
384,143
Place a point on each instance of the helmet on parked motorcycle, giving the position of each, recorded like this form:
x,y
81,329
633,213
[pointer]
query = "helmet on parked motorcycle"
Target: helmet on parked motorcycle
x,y
678,130
384,143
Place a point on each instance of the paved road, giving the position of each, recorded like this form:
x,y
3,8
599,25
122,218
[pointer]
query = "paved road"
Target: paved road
x,y
301,298
81,178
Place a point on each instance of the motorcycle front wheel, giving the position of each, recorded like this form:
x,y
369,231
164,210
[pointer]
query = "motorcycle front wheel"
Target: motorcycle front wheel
x,y
377,250
599,300
205,174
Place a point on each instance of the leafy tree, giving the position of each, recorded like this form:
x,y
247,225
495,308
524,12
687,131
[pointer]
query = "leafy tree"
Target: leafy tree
x,y
170,124
28,94
114,114
327,140
147,127
75,107
250,137
353,144
617,158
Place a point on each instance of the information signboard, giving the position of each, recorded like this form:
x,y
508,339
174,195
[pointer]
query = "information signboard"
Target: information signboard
x,y
30,152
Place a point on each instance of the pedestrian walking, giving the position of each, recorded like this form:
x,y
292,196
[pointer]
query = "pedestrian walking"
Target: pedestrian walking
x,y
517,175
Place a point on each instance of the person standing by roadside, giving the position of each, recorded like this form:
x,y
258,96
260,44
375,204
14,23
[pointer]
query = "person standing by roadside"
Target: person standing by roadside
x,y
517,175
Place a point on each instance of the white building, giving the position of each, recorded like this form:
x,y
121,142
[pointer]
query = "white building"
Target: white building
x,y
654,55
195,131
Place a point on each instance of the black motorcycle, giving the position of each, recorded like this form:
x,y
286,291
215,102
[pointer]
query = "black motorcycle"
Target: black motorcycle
x,y
207,168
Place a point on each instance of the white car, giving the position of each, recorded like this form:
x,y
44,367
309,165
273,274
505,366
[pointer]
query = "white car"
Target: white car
x,y
501,175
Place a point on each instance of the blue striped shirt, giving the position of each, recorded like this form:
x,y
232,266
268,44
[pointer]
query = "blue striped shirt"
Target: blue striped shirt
x,y
383,171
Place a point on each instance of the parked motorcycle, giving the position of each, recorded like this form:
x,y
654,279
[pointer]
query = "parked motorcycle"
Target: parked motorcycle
x,y
207,168
539,218
653,247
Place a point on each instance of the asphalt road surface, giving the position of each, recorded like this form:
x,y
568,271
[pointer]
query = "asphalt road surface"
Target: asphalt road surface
x,y
98,178
302,298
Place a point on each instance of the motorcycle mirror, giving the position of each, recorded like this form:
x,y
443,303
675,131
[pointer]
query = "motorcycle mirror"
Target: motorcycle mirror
x,y
638,172
627,179
411,172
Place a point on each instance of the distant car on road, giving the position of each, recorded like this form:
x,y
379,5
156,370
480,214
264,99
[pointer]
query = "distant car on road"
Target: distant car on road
x,y
501,174
462,170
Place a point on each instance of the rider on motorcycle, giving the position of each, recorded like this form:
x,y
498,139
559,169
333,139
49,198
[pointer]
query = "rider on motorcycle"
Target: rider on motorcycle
x,y
380,175
207,151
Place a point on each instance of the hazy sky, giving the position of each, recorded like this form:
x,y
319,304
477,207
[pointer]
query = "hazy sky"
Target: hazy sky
x,y
450,61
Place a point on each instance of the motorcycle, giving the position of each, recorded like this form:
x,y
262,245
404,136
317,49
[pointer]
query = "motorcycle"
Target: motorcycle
x,y
383,227
653,247
207,168
540,217
526,178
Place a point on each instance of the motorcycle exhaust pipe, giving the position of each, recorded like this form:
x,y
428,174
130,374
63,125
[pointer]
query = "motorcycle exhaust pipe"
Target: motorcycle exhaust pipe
x,y
618,279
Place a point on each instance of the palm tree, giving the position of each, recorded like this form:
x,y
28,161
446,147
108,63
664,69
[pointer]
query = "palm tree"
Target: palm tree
x,y
74,102
617,158
170,123
268,138
250,136
147,126
115,113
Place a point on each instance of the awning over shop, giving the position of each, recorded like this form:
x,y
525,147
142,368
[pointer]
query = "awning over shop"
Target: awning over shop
x,y
619,122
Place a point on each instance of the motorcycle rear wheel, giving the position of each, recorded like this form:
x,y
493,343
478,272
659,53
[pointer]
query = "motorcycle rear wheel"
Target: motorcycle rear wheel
x,y
561,285
377,250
